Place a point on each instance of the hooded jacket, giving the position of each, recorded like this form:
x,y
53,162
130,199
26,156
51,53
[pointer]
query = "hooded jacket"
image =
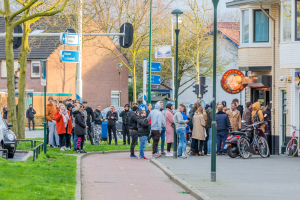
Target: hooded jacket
x,y
142,125
132,120
163,119
178,120
90,113
256,108
30,113
98,116
79,123
156,118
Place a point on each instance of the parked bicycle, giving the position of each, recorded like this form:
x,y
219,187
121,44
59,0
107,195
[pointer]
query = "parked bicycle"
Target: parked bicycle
x,y
292,146
256,145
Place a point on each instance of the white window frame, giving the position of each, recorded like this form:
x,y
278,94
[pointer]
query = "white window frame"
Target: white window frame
x,y
115,92
31,65
251,28
3,64
292,23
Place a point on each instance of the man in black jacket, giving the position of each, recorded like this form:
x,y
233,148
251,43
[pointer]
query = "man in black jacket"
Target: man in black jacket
x,y
239,107
89,121
125,125
133,129
97,125
30,116
143,132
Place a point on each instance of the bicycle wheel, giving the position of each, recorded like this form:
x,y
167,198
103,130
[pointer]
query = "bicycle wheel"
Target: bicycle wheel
x,y
263,147
291,148
243,145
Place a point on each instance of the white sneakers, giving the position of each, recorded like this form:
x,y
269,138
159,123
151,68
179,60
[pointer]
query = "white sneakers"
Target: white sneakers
x,y
149,144
68,148
185,154
169,154
62,148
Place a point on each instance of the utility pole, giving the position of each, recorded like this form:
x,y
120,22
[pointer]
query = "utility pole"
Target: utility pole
x,y
45,103
150,52
79,64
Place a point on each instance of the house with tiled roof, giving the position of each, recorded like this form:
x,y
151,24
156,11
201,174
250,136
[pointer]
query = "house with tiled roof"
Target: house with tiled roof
x,y
100,76
228,44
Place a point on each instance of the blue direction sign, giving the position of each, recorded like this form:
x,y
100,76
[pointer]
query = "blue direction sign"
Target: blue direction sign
x,y
155,67
143,107
69,39
155,79
69,56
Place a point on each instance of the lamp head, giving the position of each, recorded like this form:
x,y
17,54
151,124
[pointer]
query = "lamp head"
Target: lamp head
x,y
176,12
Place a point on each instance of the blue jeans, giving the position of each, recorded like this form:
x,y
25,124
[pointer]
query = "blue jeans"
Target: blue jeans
x,y
224,137
209,141
182,140
163,138
143,141
75,141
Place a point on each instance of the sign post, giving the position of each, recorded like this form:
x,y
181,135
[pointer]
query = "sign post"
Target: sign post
x,y
69,39
69,56
145,81
45,94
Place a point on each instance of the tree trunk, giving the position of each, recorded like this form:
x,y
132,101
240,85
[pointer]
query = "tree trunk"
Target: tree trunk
x,y
134,86
10,74
22,80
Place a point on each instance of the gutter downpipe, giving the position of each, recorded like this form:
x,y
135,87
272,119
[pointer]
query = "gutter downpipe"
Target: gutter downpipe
x,y
273,80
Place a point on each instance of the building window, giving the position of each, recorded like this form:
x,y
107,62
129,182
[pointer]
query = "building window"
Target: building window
x,y
3,69
245,26
286,21
35,68
115,98
261,26
297,20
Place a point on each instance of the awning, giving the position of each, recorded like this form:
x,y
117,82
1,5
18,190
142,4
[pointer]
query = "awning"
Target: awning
x,y
262,81
256,68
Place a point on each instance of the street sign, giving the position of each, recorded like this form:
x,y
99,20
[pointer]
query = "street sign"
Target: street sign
x,y
155,79
69,39
43,82
69,56
155,67
143,107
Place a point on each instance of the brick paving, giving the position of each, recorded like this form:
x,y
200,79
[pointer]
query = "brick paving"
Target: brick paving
x,y
126,178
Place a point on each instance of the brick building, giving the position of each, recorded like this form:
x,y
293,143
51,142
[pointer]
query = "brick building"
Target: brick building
x,y
100,75
269,51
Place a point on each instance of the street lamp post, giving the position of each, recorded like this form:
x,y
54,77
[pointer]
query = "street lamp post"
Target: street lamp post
x,y
120,69
150,56
176,12
213,124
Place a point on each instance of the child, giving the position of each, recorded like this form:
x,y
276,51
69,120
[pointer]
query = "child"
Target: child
x,y
143,132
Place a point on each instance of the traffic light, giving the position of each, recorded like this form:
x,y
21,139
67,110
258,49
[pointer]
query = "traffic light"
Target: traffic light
x,y
17,40
16,80
196,91
203,86
126,41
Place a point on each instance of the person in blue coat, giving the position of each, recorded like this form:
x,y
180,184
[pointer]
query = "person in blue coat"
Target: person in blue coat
x,y
185,118
223,125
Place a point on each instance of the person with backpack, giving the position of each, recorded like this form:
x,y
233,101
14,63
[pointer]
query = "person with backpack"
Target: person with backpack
x,y
30,116
257,115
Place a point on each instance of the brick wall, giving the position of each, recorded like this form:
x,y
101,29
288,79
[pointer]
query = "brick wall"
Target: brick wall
x,y
255,56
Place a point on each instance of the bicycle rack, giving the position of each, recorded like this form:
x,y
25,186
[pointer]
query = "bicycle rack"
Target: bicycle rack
x,y
22,140
6,152
35,141
37,151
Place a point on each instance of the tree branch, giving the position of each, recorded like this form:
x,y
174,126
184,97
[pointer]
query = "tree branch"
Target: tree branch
x,y
23,9
2,13
186,88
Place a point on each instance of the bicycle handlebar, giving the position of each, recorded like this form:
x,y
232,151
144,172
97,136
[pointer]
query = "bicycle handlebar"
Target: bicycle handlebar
x,y
294,127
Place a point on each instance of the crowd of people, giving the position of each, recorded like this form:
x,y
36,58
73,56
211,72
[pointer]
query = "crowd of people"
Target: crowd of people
x,y
71,120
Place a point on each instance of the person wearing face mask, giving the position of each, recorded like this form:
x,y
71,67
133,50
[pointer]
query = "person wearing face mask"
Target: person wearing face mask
x,y
63,126
30,116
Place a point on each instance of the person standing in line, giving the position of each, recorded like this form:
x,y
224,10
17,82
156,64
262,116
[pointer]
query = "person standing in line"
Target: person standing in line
x,y
149,109
267,117
247,114
97,126
239,107
89,121
256,111
209,113
50,110
199,130
112,117
63,126
125,124
75,137
180,125
223,125
234,117
30,116
80,127
142,125
132,115
156,118
70,108
191,115
163,130
169,128
5,113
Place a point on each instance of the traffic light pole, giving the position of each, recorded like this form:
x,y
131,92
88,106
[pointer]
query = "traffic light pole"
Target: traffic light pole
x,y
45,120
150,56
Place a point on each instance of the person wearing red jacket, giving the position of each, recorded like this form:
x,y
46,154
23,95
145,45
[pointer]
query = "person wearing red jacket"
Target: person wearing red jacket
x,y
63,126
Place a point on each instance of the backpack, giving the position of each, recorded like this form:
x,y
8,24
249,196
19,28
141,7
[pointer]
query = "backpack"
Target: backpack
x,y
256,117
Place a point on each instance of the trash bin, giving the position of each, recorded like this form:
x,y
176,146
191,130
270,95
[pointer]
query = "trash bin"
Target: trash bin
x,y
104,131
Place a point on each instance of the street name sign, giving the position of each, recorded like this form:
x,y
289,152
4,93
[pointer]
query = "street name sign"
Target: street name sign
x,y
155,67
69,39
43,82
155,79
69,56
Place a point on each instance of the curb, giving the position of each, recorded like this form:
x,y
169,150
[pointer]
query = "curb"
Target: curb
x,y
183,184
29,153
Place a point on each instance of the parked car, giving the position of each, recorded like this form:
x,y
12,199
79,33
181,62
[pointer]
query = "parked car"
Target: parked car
x,y
8,139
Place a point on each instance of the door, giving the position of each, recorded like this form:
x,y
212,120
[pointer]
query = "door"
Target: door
x,y
283,120
261,95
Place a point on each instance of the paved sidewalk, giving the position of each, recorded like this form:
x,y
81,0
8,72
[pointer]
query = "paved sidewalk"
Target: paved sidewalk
x,y
116,176
277,177
34,134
